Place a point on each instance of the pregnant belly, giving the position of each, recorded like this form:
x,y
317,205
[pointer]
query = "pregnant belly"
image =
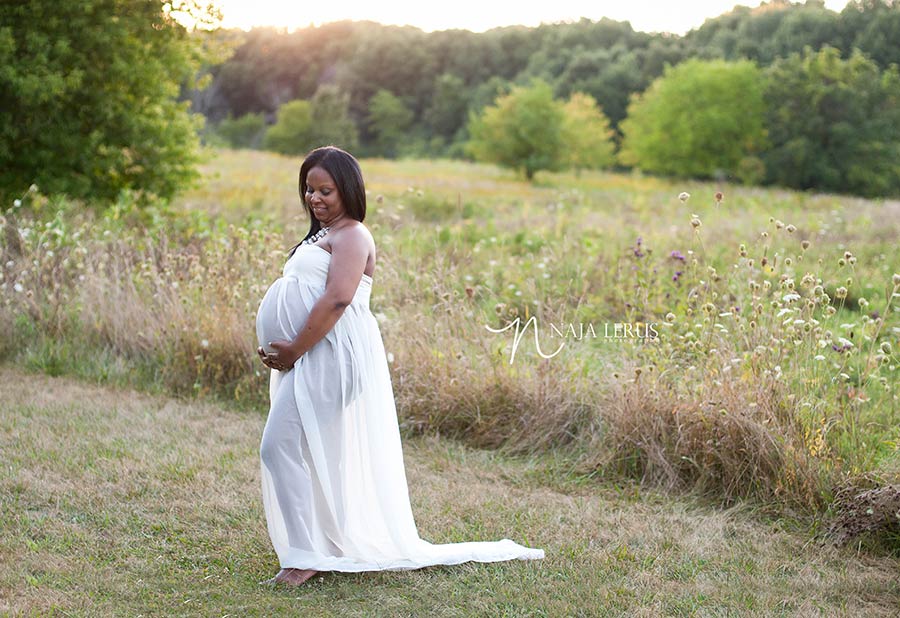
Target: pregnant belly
x,y
332,374
281,313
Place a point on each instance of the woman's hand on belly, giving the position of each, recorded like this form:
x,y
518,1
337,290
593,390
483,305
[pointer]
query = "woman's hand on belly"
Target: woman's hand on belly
x,y
282,358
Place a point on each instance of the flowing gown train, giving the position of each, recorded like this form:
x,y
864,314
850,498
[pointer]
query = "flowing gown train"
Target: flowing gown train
x,y
333,479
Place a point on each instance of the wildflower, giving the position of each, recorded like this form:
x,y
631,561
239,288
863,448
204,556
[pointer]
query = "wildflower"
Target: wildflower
x,y
204,343
886,347
17,203
33,188
637,248
18,287
804,244
896,279
379,198
470,292
841,292
677,274
670,317
788,261
390,357
676,255
791,229
695,221
498,308
743,250
779,224
684,196
851,260
863,303
842,262
819,357
719,197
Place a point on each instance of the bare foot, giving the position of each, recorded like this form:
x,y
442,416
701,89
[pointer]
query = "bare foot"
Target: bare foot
x,y
291,577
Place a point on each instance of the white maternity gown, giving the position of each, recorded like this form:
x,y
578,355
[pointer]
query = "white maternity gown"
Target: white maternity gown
x,y
333,480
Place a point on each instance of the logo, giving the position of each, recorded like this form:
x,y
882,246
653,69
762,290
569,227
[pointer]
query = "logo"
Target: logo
x,y
615,332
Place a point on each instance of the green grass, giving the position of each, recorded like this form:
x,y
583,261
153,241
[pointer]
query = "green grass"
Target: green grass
x,y
115,502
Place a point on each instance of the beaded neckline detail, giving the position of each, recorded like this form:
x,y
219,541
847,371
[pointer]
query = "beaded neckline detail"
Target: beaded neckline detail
x,y
316,237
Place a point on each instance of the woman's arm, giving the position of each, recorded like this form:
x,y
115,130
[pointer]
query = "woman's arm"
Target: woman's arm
x,y
349,254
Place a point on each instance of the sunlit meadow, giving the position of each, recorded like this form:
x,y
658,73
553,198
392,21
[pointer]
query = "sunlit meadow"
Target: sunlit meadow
x,y
772,375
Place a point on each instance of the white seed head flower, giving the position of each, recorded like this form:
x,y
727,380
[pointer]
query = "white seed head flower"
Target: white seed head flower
x,y
18,287
17,203
684,196
204,343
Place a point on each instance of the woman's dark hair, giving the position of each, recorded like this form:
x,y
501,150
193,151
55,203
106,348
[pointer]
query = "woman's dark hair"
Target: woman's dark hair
x,y
347,175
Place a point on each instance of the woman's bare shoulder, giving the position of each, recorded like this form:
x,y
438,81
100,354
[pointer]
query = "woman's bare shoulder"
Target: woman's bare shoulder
x,y
355,233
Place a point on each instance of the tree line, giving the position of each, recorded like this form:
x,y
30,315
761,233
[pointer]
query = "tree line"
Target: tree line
x,y
397,91
100,98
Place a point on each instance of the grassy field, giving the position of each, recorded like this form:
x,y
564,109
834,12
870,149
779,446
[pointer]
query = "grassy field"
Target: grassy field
x,y
119,503
773,379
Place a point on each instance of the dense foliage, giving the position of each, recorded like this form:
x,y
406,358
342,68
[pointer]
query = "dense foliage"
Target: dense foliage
x,y
89,96
701,119
834,124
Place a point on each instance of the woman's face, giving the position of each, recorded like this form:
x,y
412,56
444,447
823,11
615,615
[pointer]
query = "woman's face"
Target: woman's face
x,y
322,197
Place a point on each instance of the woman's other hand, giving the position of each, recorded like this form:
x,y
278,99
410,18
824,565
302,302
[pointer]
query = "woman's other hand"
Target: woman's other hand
x,y
282,358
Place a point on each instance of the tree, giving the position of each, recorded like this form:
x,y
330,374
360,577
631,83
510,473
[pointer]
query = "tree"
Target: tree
x,y
522,130
331,123
243,132
448,105
587,135
834,124
388,121
88,91
700,118
292,132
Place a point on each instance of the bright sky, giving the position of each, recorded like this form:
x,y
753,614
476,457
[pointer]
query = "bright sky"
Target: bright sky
x,y
479,15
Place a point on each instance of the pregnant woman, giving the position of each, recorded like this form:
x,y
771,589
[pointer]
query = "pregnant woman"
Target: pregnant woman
x,y
333,479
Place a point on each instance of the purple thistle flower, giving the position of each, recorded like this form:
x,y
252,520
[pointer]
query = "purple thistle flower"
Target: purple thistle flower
x,y
676,255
